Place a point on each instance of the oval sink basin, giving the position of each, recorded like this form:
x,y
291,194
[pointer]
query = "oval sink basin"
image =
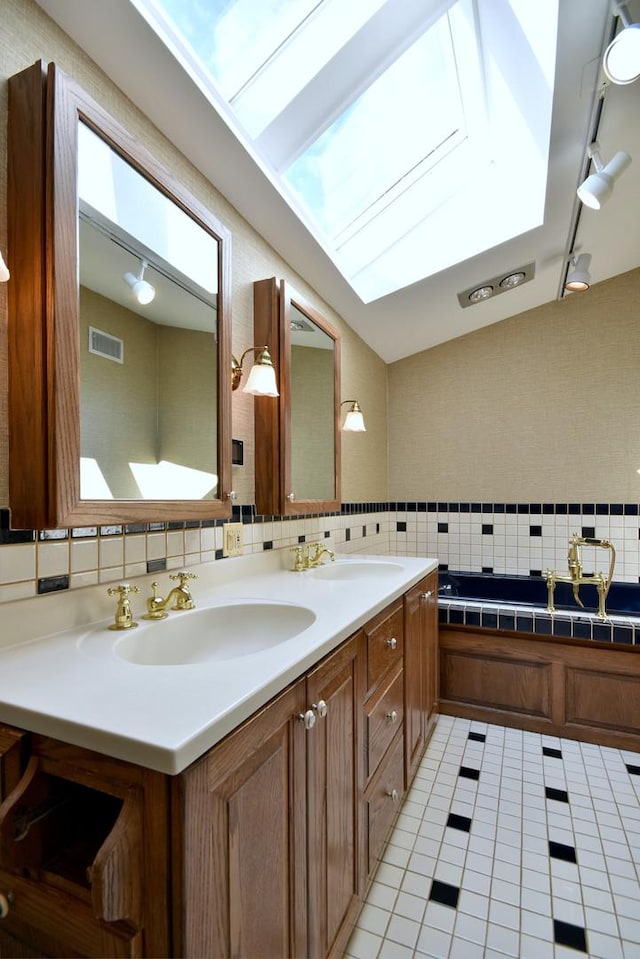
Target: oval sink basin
x,y
356,570
214,633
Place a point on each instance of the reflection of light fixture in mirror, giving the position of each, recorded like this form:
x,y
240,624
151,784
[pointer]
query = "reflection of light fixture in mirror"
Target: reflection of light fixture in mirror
x,y
621,61
354,420
4,271
142,290
262,377
579,279
598,187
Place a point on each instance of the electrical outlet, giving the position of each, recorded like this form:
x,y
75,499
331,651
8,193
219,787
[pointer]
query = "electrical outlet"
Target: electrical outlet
x,y
232,539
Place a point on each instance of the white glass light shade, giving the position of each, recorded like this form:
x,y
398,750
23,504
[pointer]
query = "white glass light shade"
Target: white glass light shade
x,y
354,420
621,62
579,279
143,291
4,271
598,187
261,381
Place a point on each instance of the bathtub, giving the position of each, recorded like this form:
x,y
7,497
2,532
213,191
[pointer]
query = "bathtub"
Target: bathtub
x,y
494,601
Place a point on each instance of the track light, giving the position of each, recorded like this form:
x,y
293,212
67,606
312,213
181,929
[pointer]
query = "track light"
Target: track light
x,y
579,279
598,187
354,420
262,376
142,290
621,61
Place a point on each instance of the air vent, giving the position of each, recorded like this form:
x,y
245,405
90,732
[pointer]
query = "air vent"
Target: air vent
x,y
104,345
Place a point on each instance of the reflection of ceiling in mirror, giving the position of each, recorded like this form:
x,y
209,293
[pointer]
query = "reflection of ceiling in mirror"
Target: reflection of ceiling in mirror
x,y
304,332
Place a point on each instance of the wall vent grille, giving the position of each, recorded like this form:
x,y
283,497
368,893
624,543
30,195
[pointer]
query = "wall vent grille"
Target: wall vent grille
x,y
104,345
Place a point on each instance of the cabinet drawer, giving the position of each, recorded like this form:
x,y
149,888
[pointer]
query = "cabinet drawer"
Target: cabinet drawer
x,y
385,714
384,644
382,800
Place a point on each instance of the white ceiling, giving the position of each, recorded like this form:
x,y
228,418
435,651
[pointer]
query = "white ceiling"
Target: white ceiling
x,y
426,313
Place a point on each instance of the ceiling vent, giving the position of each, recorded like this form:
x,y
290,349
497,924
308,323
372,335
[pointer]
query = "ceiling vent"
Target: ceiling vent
x,y
104,345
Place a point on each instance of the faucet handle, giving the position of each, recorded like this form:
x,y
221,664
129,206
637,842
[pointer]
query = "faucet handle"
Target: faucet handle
x,y
124,616
183,576
182,592
298,563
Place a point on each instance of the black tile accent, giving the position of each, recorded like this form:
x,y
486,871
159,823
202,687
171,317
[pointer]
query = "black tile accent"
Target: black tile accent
x,y
552,753
112,530
535,572
487,529
401,527
377,527
8,536
347,535
560,795
129,528
506,621
156,565
466,772
463,823
472,617
633,770
558,850
364,530
46,535
154,527
52,584
566,934
268,544
623,634
589,531
524,622
477,737
444,893
327,534
87,532
175,525
489,620
456,617
487,569
443,527
302,539
535,531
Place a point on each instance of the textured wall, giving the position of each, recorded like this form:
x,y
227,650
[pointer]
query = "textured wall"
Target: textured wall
x,y
542,407
27,35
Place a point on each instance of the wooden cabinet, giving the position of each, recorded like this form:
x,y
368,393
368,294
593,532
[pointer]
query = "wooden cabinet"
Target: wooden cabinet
x,y
83,857
267,825
420,668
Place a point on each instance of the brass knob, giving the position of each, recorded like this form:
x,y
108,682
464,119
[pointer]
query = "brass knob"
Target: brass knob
x,y
320,708
308,719
392,716
392,643
5,902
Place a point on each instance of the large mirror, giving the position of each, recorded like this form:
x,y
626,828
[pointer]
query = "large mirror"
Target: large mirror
x,y
297,439
134,301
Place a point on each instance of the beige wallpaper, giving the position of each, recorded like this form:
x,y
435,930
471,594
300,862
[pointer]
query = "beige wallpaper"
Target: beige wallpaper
x,y
543,407
27,35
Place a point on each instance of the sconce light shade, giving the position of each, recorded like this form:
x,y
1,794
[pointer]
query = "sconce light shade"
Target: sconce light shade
x,y
354,420
621,61
4,271
579,279
598,187
143,291
262,376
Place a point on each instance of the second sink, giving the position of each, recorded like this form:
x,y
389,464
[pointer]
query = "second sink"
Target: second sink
x,y
214,633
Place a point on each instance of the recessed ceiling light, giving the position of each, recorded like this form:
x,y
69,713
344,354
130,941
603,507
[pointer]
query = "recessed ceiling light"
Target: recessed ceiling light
x,y
482,293
512,279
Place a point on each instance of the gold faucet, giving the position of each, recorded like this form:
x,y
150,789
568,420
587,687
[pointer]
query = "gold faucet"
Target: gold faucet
x,y
310,555
181,594
124,616
576,577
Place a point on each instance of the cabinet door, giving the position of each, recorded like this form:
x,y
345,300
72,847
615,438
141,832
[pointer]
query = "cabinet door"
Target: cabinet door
x,y
335,777
242,820
420,668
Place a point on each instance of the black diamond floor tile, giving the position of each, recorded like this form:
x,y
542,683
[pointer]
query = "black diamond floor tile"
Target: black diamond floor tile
x,y
477,737
459,822
560,795
444,893
551,753
466,772
558,850
566,934
634,770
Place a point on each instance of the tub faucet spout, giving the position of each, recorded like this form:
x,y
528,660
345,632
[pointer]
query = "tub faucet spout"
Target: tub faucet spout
x,y
576,577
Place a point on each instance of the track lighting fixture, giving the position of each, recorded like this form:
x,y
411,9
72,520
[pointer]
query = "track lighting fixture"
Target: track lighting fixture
x,y
621,61
262,377
142,289
4,271
598,186
579,279
354,420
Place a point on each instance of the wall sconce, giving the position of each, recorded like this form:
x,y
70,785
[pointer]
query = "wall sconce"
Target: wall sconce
x,y
142,290
354,420
262,376
4,271
579,279
621,61
598,187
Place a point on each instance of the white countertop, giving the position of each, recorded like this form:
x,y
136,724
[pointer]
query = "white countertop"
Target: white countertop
x,y
71,684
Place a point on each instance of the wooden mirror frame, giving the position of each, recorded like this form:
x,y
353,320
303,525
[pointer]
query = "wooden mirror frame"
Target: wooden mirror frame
x,y
45,108
272,303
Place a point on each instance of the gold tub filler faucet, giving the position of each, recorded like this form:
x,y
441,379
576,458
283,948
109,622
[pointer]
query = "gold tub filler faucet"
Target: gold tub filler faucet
x,y
576,577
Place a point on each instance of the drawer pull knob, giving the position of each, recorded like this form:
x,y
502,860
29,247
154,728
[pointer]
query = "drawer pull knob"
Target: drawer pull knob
x,y
320,708
392,643
5,902
392,716
393,795
308,719
425,597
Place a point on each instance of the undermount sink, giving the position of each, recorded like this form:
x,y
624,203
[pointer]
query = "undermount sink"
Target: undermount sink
x,y
356,570
214,633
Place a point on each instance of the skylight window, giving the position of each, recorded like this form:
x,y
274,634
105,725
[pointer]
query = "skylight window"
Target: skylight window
x,y
397,131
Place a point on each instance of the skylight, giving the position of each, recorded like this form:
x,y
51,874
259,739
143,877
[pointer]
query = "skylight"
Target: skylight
x,y
400,133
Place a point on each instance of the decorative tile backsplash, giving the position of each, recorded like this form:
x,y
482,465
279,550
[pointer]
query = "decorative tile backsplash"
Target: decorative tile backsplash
x,y
516,538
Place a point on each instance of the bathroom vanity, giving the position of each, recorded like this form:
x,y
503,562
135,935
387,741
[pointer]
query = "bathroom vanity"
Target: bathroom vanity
x,y
257,834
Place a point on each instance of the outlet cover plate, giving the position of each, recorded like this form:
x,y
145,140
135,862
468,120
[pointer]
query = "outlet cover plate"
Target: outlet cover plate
x,y
232,539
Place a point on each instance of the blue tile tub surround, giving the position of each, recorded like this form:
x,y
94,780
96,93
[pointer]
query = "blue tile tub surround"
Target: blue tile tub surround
x,y
495,602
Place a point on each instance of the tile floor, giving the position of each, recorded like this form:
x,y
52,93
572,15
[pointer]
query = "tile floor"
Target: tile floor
x,y
510,844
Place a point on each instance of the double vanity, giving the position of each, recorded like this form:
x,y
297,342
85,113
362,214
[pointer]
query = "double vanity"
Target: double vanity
x,y
219,782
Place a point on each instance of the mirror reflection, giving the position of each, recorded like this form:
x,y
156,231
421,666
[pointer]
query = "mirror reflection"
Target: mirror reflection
x,y
312,409
148,337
